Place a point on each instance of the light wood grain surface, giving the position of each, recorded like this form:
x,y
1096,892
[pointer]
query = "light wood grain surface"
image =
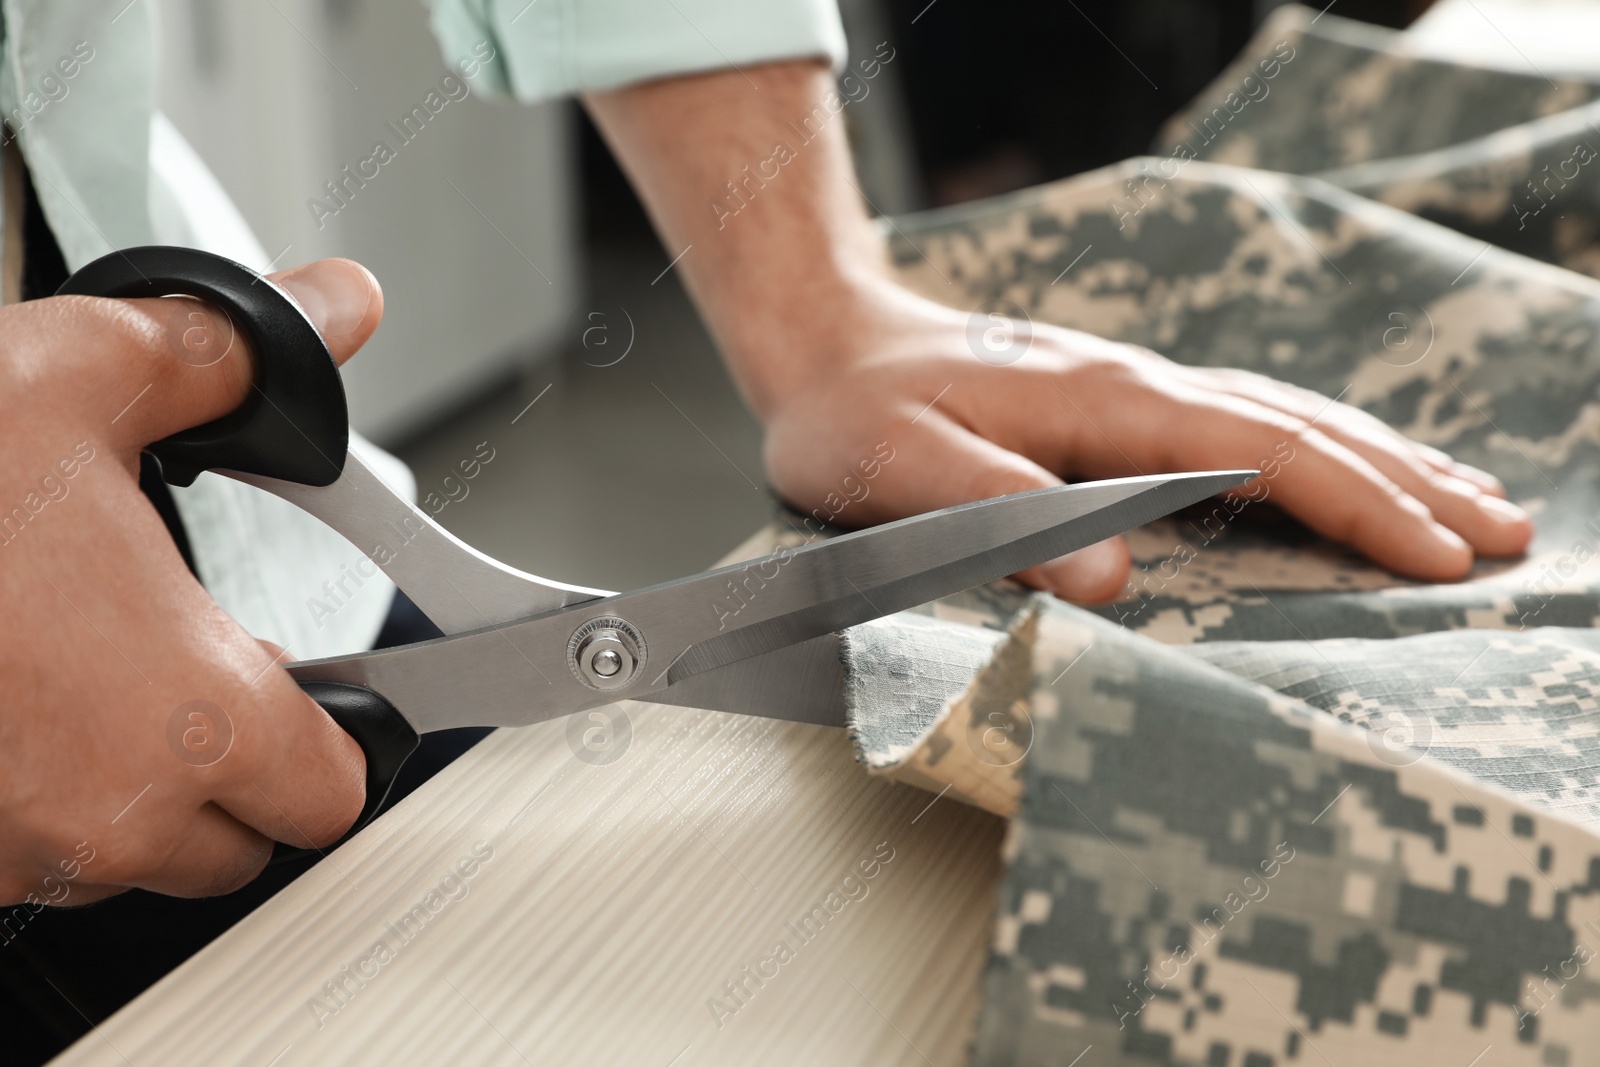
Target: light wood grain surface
x,y
615,902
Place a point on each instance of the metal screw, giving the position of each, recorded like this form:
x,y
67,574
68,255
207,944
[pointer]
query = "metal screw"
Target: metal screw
x,y
606,653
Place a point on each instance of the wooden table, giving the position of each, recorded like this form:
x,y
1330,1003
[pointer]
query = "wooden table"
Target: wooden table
x,y
536,906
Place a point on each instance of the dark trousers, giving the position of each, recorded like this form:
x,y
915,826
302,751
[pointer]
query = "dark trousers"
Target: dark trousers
x,y
70,967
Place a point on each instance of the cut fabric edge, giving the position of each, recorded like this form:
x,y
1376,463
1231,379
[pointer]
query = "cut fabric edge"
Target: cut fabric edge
x,y
966,727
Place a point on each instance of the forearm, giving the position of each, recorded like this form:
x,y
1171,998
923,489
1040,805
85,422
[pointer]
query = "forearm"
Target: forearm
x,y
751,172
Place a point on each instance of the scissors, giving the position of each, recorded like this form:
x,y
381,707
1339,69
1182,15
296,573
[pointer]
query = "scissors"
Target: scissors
x,y
756,638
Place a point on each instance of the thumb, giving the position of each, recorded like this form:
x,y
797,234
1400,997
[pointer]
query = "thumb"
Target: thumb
x,y
946,464
340,297
197,367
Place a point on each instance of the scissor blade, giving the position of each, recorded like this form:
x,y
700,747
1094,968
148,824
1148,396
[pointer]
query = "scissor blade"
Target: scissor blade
x,y
523,672
799,683
737,612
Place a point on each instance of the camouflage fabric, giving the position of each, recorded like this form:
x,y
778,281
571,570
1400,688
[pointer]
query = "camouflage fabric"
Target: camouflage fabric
x,y
1207,868
1519,710
1277,805
1485,354
1508,158
1209,871
922,707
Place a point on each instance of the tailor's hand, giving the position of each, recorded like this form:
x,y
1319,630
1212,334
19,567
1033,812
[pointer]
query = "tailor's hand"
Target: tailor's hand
x,y
834,357
145,739
1076,405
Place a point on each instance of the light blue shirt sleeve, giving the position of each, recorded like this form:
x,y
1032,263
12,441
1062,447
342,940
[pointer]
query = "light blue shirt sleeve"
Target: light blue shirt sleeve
x,y
538,49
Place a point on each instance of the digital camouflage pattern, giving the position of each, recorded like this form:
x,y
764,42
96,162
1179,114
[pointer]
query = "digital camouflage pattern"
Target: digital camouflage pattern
x,y
1513,159
1519,710
1208,871
1277,805
1348,93
922,710
1485,354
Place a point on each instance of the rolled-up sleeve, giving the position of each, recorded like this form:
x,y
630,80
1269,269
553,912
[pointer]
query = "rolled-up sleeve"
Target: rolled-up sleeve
x,y
537,49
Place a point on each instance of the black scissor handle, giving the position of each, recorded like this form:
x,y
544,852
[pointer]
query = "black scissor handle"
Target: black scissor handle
x,y
385,737
294,424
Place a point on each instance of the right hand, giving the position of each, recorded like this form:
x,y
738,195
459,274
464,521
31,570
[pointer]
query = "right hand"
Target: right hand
x,y
108,633
887,365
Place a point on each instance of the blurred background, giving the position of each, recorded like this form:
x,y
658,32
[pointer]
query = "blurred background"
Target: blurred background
x,y
531,310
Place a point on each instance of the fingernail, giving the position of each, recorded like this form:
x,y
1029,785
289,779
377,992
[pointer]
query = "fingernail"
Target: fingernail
x,y
335,295
1092,574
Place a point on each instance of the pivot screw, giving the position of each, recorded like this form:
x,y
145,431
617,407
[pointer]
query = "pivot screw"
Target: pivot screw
x,y
606,662
606,653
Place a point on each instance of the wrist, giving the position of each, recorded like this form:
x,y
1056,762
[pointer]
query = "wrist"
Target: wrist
x,y
764,211
782,342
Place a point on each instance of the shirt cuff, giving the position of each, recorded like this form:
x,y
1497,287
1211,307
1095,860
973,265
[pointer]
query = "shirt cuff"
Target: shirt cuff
x,y
538,49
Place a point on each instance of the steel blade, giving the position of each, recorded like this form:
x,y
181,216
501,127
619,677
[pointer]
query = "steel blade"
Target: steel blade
x,y
799,683
523,673
745,610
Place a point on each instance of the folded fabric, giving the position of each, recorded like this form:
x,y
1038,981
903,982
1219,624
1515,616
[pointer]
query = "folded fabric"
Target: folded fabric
x,y
1512,159
1208,871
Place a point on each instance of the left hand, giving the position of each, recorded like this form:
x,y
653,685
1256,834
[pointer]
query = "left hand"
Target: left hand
x,y
834,357
892,367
